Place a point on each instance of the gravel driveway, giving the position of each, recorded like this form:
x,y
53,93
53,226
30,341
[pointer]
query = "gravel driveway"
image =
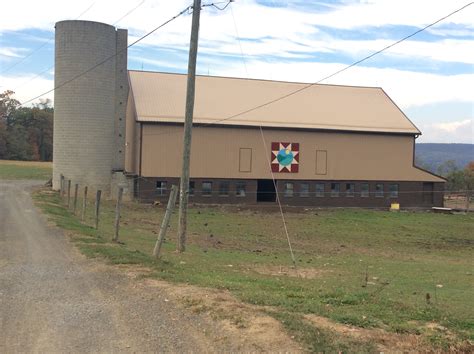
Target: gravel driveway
x,y
52,299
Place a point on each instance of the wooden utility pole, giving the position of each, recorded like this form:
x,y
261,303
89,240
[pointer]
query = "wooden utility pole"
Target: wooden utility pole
x,y
166,220
188,124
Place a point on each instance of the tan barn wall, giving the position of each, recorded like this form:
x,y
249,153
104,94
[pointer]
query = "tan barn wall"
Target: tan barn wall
x,y
132,139
215,154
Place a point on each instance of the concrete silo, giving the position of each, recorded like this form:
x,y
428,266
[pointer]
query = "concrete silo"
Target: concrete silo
x,y
89,104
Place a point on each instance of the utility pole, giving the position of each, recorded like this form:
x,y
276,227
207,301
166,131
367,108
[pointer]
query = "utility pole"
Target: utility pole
x,y
188,124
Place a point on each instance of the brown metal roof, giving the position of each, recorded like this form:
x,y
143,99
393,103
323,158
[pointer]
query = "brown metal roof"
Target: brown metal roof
x,y
160,97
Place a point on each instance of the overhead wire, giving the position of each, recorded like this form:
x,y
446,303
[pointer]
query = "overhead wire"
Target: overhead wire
x,y
129,12
277,194
306,86
42,45
187,9
345,68
52,67
108,58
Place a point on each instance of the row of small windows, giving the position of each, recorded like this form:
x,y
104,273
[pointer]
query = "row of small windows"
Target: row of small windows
x,y
206,188
289,189
335,191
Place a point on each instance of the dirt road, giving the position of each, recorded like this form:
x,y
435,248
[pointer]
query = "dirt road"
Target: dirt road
x,y
52,299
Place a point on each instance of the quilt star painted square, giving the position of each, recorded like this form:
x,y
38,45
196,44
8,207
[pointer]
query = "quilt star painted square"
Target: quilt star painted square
x,y
285,157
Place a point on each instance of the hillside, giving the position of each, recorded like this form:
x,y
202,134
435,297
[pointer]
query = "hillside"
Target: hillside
x,y
430,156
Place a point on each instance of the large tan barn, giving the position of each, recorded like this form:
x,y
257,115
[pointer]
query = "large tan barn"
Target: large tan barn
x,y
325,145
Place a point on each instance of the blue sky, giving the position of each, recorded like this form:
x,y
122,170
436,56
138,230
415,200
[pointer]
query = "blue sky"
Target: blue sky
x,y
430,76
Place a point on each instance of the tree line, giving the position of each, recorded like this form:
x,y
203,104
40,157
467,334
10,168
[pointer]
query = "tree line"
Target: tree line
x,y
26,133
458,179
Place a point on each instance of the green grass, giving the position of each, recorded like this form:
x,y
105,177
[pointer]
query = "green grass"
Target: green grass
x,y
372,269
10,170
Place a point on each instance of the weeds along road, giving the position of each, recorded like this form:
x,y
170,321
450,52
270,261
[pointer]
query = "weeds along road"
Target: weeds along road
x,y
54,300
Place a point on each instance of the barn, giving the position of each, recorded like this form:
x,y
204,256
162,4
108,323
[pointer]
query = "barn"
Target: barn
x,y
312,145
325,145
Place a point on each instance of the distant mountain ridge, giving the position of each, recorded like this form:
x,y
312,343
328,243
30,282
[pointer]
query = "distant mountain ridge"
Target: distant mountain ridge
x,y
430,155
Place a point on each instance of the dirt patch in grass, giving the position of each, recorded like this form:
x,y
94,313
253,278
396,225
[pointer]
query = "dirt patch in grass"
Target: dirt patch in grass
x,y
247,326
386,342
281,271
389,342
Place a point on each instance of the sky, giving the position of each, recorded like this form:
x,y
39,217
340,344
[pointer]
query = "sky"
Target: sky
x,y
430,76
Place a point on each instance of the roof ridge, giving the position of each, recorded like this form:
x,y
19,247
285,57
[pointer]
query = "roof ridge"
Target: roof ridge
x,y
256,79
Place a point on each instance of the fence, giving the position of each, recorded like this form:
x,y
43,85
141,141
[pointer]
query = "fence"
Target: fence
x,y
65,185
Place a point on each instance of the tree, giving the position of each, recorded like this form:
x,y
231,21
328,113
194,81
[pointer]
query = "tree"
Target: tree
x,y
26,133
7,106
446,168
3,140
460,180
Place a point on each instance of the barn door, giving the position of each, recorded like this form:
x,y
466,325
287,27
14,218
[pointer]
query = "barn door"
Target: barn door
x,y
428,193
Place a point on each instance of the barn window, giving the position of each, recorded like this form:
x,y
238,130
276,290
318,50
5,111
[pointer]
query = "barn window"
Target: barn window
x,y
161,187
304,190
288,191
245,160
240,189
379,190
335,188
224,188
319,189
364,190
393,188
321,162
192,186
206,188
350,187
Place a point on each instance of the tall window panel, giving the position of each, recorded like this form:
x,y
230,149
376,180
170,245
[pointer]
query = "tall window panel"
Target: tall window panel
x,y
288,189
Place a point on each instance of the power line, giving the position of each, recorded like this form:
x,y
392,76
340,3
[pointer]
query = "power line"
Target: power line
x,y
33,78
214,4
129,12
329,76
42,45
277,194
108,58
343,69
51,67
240,43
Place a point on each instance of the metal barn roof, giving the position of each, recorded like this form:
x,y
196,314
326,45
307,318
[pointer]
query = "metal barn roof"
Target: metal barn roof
x,y
160,97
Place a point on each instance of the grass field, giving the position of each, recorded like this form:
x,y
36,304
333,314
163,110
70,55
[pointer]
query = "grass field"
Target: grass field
x,y
406,273
25,170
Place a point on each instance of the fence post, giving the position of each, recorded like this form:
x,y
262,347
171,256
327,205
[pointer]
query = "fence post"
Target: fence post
x,y
117,214
468,200
166,220
97,208
84,202
68,193
61,187
76,189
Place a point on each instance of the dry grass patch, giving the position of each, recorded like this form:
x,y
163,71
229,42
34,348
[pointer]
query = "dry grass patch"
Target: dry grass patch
x,y
282,271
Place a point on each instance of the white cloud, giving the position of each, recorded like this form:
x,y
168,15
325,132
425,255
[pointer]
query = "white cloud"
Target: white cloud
x,y
26,92
453,126
275,37
407,88
461,131
390,12
10,52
